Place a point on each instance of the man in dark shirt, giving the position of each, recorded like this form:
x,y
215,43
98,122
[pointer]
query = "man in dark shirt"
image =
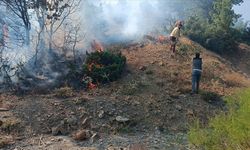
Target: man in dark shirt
x,y
196,72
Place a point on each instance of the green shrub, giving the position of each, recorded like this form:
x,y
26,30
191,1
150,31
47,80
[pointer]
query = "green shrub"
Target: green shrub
x,y
215,31
104,67
195,29
230,130
246,35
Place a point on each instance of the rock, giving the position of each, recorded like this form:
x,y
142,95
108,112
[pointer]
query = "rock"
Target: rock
x,y
142,68
190,112
85,122
101,114
4,109
121,119
58,130
152,62
55,131
82,135
136,103
89,148
72,120
178,107
137,147
93,138
128,98
115,148
161,63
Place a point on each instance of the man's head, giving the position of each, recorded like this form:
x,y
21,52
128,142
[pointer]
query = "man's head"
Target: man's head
x,y
179,24
197,55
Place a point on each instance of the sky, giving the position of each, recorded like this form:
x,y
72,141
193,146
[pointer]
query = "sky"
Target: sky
x,y
244,9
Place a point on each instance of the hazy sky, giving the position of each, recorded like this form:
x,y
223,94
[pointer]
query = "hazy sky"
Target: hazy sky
x,y
244,9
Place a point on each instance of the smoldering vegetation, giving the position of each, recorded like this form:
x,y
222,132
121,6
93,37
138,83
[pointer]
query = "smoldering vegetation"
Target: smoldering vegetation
x,y
37,49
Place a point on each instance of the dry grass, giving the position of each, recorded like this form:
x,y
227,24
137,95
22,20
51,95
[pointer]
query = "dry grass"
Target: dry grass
x,y
137,147
4,141
235,80
10,124
133,87
64,92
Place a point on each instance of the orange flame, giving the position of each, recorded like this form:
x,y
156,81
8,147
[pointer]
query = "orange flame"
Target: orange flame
x,y
91,65
97,46
161,39
91,86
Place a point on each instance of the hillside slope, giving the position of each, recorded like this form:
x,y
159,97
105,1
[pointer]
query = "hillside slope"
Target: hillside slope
x,y
240,58
153,94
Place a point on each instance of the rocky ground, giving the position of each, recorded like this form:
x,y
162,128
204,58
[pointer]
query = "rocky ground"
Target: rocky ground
x,y
150,107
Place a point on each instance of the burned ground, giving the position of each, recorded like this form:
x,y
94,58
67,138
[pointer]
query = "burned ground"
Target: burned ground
x,y
153,94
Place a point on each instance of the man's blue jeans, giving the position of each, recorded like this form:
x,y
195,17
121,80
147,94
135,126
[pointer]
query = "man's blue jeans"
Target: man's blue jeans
x,y
195,82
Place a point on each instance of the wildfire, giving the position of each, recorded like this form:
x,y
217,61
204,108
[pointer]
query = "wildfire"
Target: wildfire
x,y
91,86
161,39
93,64
97,46
89,82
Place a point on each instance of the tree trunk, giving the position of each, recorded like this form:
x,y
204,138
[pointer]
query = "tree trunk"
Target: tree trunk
x,y
27,39
50,37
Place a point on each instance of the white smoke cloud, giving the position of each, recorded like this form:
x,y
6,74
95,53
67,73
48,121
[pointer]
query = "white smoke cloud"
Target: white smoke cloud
x,y
119,20
109,21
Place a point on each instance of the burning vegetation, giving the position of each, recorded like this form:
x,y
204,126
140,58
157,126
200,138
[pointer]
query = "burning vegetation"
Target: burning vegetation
x,y
99,68
101,72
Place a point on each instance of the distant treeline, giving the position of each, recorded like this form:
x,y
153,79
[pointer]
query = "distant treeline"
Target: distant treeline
x,y
214,24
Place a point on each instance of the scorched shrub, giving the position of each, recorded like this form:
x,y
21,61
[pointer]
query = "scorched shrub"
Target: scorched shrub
x,y
104,67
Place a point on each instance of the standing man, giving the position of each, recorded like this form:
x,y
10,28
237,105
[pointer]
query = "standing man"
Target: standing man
x,y
196,73
175,34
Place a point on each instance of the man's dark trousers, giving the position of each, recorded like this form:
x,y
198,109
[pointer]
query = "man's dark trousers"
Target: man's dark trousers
x,y
196,76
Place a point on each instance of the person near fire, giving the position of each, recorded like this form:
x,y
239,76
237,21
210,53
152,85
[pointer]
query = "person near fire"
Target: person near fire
x,y
174,36
196,73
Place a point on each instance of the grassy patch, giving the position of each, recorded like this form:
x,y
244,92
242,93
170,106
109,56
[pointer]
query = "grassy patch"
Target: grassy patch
x,y
234,80
124,129
64,92
133,87
3,143
10,125
229,131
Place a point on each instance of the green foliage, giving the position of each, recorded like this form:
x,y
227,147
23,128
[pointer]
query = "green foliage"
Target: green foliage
x,y
196,28
230,130
104,67
74,76
246,35
183,49
223,16
216,32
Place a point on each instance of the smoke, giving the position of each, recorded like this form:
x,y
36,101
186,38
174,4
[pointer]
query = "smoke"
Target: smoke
x,y
107,21
121,20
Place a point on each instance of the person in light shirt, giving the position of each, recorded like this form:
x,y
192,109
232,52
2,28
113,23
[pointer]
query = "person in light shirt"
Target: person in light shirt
x,y
175,34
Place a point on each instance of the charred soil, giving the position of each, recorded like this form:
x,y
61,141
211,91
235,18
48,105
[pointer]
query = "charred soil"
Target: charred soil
x,y
149,107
